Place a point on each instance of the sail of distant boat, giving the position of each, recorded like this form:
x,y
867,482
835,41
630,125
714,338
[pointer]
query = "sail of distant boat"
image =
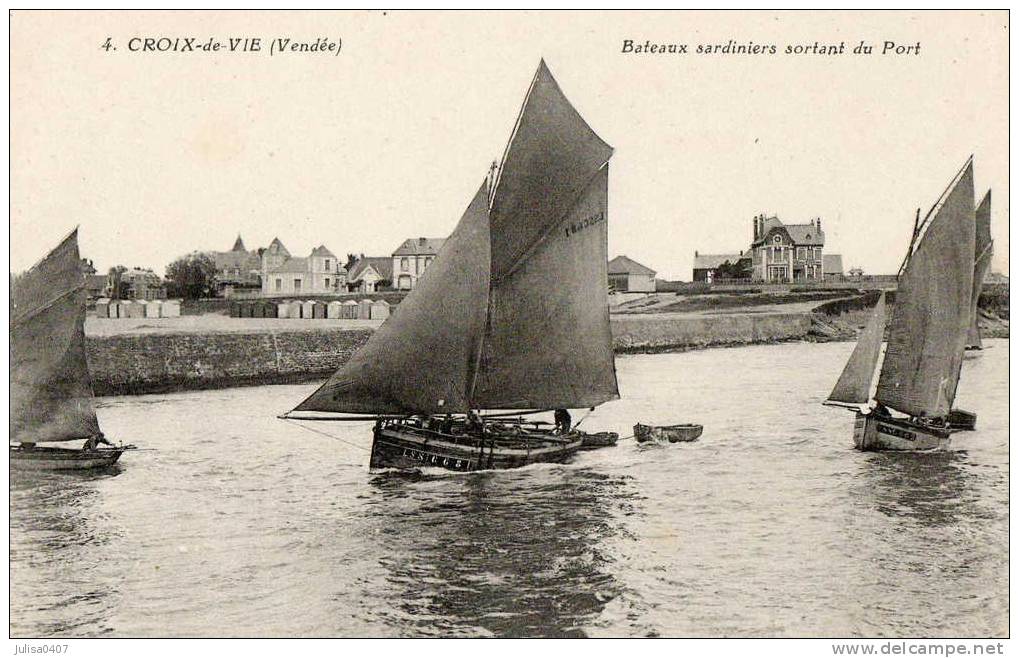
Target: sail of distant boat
x,y
51,391
513,312
853,386
932,311
983,251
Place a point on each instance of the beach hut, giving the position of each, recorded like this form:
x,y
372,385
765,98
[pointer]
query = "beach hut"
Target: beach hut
x,y
235,309
308,309
152,308
257,310
380,310
103,308
295,309
170,308
320,310
349,310
364,309
135,309
334,310
269,309
247,310
283,310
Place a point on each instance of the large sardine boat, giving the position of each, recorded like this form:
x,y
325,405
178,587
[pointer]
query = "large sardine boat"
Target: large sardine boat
x,y
512,315
51,391
932,314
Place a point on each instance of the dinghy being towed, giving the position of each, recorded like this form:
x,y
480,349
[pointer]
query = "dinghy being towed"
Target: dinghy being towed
x,y
483,328
932,315
51,391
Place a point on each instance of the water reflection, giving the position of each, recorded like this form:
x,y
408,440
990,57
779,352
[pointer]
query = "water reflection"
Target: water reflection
x,y
501,553
928,488
61,541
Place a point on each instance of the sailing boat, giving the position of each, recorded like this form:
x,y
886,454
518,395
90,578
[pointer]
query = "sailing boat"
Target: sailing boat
x,y
932,314
984,251
511,316
51,391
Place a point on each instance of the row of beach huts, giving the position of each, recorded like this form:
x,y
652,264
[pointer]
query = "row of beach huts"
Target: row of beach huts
x,y
364,309
130,308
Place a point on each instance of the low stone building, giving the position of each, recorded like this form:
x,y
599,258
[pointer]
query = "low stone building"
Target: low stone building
x,y
627,275
706,266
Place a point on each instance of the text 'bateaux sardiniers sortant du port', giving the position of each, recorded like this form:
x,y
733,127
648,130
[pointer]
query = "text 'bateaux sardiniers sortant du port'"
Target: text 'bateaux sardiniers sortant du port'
x,y
751,48
240,45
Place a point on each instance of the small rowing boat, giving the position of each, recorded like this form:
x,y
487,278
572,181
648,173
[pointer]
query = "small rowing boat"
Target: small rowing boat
x,y
598,440
667,433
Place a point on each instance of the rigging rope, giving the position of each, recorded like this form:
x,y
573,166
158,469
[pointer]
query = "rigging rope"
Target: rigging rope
x,y
325,434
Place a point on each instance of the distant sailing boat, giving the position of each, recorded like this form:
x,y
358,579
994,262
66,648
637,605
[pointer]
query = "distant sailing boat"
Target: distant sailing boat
x,y
51,391
931,317
984,251
511,315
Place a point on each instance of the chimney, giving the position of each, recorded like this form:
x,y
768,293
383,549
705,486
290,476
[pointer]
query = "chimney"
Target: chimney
x,y
819,224
421,241
755,227
695,253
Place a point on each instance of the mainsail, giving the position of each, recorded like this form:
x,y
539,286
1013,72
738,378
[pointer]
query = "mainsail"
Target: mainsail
x,y
983,252
853,386
513,312
51,392
932,309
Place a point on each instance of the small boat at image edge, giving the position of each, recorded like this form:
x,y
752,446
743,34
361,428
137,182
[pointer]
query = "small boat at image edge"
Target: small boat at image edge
x,y
667,433
51,390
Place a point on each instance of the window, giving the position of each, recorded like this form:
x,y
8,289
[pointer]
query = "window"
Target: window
x,y
328,262
297,285
279,285
817,253
327,281
778,239
404,265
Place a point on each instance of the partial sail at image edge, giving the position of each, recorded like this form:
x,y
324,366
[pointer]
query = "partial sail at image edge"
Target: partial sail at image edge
x,y
853,386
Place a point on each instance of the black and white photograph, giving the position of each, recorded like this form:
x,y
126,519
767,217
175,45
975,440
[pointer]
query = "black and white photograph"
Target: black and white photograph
x,y
331,324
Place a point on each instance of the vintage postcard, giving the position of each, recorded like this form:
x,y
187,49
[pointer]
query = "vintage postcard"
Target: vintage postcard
x,y
512,324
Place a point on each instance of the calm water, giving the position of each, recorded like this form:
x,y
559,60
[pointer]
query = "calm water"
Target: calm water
x,y
771,525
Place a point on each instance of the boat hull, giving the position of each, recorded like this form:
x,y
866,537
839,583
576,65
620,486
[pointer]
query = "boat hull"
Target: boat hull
x,y
960,420
394,446
667,433
62,459
871,432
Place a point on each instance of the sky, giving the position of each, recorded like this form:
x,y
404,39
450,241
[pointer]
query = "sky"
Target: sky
x,y
154,155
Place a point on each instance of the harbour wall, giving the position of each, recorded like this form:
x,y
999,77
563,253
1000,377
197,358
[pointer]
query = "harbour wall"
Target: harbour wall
x,y
132,364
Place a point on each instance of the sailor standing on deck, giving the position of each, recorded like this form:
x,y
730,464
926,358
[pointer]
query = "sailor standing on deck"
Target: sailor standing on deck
x,y
93,442
563,421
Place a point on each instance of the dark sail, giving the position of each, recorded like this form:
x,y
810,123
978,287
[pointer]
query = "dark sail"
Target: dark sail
x,y
422,359
932,310
853,386
549,161
548,343
983,251
51,392
513,312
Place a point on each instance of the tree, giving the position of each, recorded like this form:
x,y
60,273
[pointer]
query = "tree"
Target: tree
x,y
116,283
351,259
729,270
192,276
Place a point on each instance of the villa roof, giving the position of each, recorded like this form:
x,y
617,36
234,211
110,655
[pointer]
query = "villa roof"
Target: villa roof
x,y
420,247
713,261
322,252
383,265
291,266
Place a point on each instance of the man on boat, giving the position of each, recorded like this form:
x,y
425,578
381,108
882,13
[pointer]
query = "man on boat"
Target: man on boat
x,y
563,421
93,442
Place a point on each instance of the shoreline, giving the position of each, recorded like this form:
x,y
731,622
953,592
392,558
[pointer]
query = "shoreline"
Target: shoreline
x,y
227,353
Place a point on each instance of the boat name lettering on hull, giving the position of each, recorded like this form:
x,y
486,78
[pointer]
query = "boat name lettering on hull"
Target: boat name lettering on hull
x,y
895,431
